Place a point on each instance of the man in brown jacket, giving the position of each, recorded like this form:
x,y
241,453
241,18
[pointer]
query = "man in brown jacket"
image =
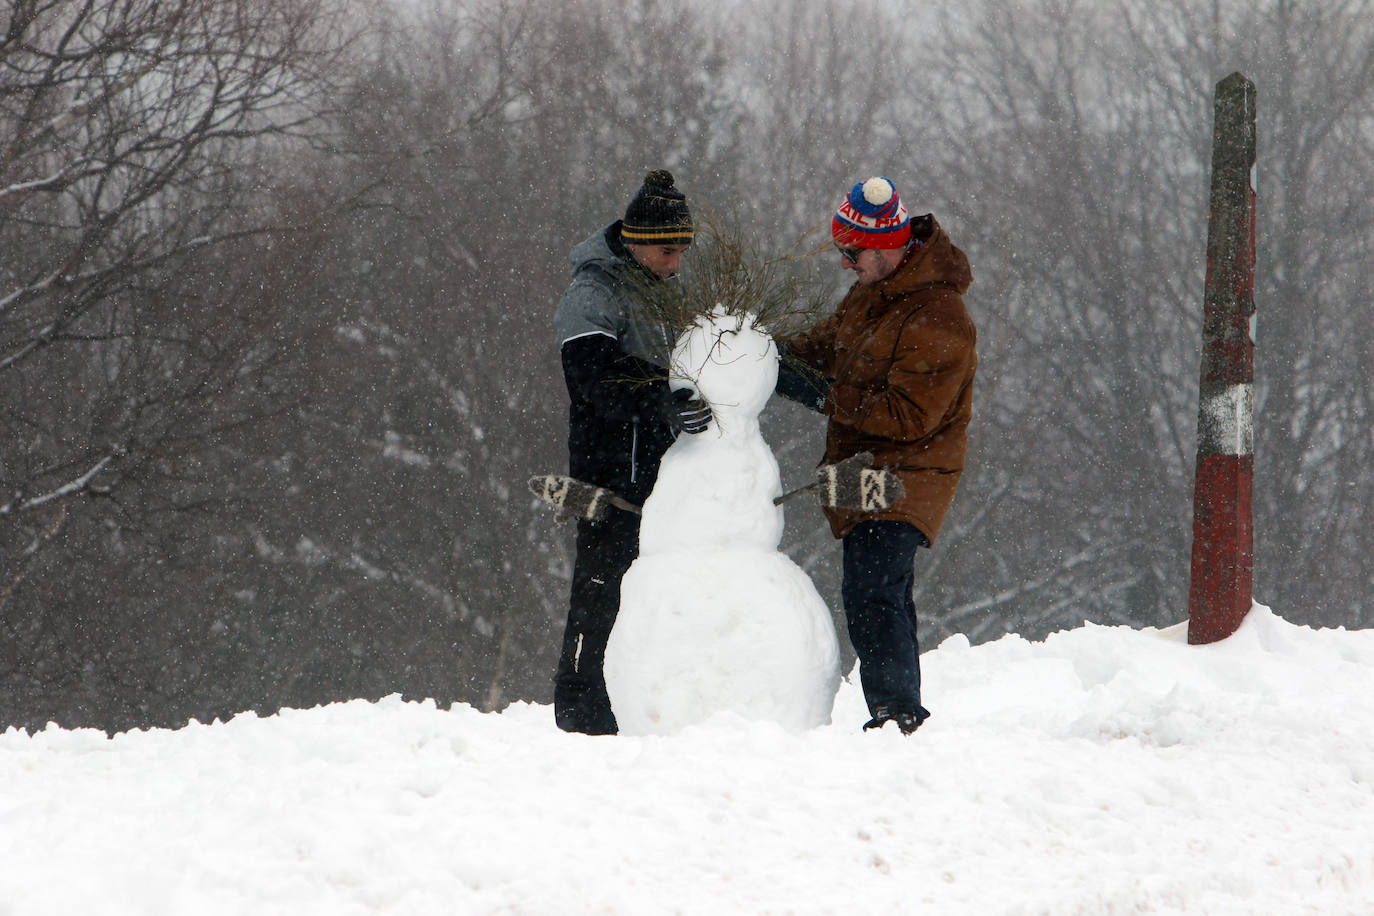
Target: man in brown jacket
x,y
900,354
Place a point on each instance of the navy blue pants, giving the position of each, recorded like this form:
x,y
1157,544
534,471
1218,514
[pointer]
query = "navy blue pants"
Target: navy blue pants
x,y
876,589
605,550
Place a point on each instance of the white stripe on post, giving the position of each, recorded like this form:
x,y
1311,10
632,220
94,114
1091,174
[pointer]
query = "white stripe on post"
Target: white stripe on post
x,y
1226,421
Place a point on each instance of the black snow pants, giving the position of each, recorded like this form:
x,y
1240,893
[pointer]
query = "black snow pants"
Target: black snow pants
x,y
605,550
876,589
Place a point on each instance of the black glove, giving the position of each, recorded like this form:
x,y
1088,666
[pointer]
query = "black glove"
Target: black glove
x,y
684,413
799,382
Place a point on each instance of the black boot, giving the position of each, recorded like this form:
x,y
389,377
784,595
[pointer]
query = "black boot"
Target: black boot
x,y
582,706
906,720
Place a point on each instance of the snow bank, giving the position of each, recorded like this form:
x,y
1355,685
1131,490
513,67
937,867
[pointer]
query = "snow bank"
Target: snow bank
x,y
1105,770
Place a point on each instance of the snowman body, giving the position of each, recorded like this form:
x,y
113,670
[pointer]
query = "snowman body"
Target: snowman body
x,y
713,618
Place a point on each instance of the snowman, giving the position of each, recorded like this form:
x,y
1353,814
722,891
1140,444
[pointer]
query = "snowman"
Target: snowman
x,y
713,618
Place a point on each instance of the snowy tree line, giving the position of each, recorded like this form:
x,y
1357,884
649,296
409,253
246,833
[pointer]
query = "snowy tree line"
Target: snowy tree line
x,y
277,279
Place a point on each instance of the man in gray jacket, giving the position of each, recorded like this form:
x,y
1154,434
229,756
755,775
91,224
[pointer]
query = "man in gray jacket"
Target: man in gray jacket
x,y
621,420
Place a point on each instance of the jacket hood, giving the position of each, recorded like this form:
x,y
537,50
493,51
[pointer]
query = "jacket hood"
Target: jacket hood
x,y
604,250
596,249
937,261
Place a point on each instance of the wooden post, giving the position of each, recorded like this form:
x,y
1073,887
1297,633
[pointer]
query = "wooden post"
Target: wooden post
x,y
1219,594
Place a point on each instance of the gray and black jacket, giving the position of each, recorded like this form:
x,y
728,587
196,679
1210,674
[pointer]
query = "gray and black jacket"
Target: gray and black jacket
x,y
612,356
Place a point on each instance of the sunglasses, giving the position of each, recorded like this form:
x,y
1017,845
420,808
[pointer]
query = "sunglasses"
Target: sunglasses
x,y
850,255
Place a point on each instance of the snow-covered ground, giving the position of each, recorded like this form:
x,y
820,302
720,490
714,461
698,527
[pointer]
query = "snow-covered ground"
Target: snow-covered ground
x,y
1105,770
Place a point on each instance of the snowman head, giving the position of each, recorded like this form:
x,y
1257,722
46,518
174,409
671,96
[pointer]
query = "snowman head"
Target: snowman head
x,y
728,360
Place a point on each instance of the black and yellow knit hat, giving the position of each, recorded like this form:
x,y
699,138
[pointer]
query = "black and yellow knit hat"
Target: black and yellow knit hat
x,y
658,215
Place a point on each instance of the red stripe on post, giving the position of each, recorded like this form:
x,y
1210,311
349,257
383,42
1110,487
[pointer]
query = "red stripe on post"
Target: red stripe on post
x,y
1219,595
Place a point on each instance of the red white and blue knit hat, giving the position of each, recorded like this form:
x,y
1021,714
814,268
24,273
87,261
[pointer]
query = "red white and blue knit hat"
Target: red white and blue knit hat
x,y
871,216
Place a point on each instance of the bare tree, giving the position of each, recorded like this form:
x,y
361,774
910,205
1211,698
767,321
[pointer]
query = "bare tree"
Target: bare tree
x,y
125,127
134,142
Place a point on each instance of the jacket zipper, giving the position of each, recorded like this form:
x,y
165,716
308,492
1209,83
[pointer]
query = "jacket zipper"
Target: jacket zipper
x,y
634,448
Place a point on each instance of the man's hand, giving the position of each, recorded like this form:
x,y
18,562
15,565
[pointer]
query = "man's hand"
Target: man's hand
x,y
576,499
800,383
853,483
684,413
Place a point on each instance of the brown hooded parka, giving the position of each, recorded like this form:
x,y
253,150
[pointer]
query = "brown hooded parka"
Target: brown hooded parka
x,y
902,353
